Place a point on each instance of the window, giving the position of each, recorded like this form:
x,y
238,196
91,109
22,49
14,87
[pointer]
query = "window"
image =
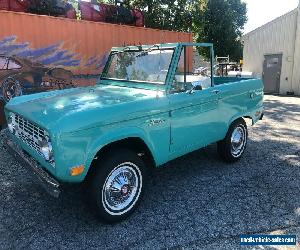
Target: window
x,y
3,62
13,64
180,66
193,69
140,66
272,62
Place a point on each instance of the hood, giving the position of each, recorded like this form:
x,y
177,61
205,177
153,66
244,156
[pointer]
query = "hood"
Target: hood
x,y
79,108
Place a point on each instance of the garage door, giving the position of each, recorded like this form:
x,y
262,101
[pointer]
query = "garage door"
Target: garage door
x,y
272,72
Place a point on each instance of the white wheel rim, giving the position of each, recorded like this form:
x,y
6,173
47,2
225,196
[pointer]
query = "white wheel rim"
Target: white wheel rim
x,y
122,188
238,141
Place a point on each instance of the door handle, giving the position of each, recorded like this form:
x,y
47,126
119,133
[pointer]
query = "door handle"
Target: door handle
x,y
215,91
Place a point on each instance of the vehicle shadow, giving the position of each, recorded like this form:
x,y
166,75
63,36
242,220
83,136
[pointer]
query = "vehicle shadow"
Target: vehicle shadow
x,y
195,198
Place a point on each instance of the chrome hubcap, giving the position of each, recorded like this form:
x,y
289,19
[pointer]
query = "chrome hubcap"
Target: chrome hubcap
x,y
121,189
238,141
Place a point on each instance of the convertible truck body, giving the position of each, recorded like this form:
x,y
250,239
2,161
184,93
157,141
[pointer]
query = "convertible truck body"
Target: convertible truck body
x,y
64,132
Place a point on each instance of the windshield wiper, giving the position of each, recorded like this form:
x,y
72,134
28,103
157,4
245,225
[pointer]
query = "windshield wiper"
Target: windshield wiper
x,y
128,48
152,47
146,52
121,51
140,48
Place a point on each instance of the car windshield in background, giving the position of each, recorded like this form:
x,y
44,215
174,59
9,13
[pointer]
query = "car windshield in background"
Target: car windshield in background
x,y
140,66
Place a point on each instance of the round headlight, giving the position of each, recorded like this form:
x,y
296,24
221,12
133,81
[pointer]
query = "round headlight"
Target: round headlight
x,y
46,149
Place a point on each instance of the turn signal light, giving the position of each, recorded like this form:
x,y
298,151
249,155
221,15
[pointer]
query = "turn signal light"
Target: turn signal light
x,y
76,170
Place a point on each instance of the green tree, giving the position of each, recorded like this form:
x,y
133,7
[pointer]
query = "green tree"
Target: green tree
x,y
170,15
222,24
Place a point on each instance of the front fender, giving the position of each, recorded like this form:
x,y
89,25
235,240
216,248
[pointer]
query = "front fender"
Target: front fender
x,y
80,148
117,135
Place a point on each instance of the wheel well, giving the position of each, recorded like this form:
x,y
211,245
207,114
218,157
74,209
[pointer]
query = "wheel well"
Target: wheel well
x,y
247,118
243,118
133,143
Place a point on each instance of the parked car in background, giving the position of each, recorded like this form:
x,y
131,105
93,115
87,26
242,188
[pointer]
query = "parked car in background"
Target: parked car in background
x,y
231,69
148,108
21,76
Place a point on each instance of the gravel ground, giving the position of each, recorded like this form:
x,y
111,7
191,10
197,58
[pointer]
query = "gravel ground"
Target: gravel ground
x,y
196,202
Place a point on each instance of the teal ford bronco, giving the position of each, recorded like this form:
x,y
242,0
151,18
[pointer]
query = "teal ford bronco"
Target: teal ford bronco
x,y
152,104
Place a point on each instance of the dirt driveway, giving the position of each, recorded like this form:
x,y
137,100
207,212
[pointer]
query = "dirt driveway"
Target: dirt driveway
x,y
196,202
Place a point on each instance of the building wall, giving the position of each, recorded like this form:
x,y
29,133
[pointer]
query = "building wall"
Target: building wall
x,y
276,37
296,68
81,47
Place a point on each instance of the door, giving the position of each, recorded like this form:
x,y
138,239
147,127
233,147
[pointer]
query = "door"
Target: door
x,y
272,72
194,102
194,120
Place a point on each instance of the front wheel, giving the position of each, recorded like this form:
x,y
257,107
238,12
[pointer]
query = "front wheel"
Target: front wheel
x,y
232,147
118,185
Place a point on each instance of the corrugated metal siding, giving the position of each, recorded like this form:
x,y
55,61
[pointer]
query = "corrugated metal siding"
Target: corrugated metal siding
x,y
276,37
83,38
296,69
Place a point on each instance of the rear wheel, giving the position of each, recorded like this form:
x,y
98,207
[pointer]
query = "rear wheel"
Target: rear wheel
x,y
118,185
233,146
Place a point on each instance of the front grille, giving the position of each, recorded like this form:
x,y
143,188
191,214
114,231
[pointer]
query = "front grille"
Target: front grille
x,y
28,132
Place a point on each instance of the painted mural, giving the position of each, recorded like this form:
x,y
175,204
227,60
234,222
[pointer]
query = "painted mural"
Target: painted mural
x,y
26,70
42,53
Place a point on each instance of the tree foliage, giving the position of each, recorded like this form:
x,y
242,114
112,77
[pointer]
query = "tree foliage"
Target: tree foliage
x,y
217,21
166,14
222,24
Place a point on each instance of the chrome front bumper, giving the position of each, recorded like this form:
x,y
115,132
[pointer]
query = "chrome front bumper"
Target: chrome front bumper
x,y
51,185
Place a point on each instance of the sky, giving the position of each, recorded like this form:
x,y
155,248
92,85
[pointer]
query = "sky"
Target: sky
x,y
263,11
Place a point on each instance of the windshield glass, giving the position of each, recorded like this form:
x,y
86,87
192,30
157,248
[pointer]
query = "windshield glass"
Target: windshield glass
x,y
140,66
